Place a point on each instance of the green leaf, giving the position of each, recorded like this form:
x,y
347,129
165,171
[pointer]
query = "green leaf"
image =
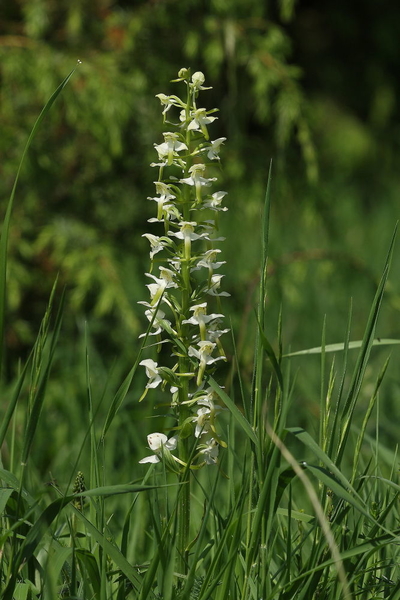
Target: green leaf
x,y
114,490
111,550
237,415
271,355
13,402
5,494
285,478
338,489
7,219
89,562
11,480
340,347
371,546
310,443
42,374
51,512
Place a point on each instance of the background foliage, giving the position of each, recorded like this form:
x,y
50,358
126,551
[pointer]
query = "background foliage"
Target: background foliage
x,y
312,85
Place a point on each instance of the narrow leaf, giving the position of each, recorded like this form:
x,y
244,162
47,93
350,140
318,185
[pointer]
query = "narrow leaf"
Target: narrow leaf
x,y
237,415
340,347
7,219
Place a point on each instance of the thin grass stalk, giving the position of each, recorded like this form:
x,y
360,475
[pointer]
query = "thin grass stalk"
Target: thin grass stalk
x,y
359,370
322,403
7,219
318,511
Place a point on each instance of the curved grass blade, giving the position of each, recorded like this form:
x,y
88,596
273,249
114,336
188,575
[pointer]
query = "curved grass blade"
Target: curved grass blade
x,y
56,561
88,561
237,415
11,480
111,550
125,385
13,402
371,546
7,219
306,439
51,512
114,490
42,373
271,355
363,356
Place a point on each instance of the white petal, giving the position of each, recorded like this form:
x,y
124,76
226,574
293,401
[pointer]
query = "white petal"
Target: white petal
x,y
172,443
150,459
156,440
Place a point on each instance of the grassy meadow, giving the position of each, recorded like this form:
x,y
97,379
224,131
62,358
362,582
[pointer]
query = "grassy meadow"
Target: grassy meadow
x,y
286,487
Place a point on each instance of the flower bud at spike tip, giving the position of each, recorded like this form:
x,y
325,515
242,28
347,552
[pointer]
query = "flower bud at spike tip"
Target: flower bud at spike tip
x,y
183,73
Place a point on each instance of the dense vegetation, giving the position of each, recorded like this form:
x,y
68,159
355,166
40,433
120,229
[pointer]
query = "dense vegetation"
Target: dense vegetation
x,y
311,86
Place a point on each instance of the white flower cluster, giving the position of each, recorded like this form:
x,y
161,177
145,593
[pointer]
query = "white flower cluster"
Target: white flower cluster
x,y
186,283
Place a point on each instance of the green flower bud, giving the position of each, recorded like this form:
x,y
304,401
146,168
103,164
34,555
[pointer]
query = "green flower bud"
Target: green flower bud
x,y
198,79
183,73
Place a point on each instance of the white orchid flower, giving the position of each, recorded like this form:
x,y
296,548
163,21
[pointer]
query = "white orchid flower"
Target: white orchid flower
x,y
199,120
214,150
159,322
210,451
188,235
168,101
163,199
151,372
161,284
169,149
209,261
196,178
214,203
201,318
206,415
157,442
198,79
156,243
214,286
203,354
202,422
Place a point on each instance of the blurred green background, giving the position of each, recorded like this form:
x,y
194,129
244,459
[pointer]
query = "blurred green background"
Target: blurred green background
x,y
312,85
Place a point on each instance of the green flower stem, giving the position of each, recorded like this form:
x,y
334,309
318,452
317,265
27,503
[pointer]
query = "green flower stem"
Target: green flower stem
x,y
184,367
184,498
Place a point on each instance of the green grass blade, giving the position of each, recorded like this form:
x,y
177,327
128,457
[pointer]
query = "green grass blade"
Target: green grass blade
x,y
363,356
7,219
51,512
340,347
237,415
373,545
89,562
41,375
124,387
111,550
265,241
13,402
115,490
259,362
11,480
271,355
306,439
334,434
5,494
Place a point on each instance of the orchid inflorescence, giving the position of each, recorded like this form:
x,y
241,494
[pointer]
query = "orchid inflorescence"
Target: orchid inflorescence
x,y
186,282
